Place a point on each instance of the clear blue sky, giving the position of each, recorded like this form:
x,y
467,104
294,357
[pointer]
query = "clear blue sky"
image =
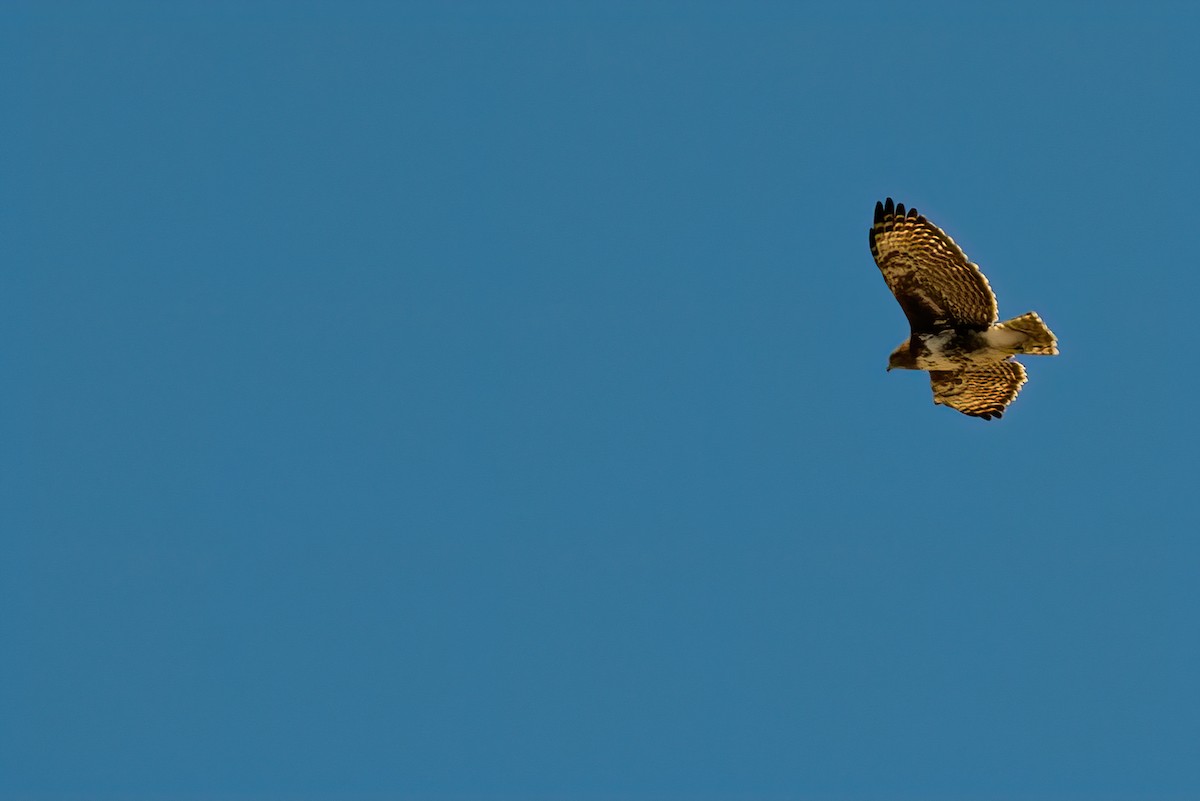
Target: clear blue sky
x,y
433,401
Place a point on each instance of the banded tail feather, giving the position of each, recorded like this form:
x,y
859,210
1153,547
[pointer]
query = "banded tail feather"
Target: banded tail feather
x,y
1036,338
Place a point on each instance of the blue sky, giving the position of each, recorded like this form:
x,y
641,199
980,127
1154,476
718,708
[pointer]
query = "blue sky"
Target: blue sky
x,y
457,401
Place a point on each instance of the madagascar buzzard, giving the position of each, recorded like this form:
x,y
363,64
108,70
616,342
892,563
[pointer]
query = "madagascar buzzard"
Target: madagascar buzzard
x,y
952,313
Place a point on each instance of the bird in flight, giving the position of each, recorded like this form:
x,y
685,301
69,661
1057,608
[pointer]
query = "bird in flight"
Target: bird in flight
x,y
953,316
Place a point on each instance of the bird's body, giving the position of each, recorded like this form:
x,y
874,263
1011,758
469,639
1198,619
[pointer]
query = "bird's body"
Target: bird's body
x,y
945,350
953,316
964,348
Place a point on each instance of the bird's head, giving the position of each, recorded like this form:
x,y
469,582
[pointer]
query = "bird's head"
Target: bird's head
x,y
901,358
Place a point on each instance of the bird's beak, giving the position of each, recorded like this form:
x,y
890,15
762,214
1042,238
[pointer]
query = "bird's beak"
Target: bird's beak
x,y
889,368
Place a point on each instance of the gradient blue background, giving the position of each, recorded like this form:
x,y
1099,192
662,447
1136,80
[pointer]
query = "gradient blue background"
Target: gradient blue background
x,y
429,401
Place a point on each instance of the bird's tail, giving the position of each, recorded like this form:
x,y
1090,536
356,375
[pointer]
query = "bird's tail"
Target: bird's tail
x,y
1025,334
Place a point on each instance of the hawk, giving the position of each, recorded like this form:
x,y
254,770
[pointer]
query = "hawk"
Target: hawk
x,y
952,313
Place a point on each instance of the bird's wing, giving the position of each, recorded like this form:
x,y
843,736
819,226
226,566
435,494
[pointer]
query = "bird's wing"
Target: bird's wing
x,y
980,391
930,275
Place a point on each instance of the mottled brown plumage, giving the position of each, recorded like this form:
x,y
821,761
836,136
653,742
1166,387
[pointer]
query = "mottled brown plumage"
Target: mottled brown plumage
x,y
928,273
981,391
952,315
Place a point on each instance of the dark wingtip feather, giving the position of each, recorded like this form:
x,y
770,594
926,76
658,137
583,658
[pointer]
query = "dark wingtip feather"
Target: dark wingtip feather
x,y
888,206
878,211
900,210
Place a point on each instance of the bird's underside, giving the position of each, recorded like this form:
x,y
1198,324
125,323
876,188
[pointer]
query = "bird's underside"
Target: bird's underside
x,y
953,316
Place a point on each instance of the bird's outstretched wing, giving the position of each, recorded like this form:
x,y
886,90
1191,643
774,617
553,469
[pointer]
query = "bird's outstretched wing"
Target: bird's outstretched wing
x,y
930,275
981,391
